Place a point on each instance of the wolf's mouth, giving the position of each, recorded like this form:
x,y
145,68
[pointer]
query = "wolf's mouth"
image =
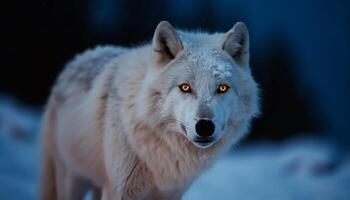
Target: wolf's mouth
x,y
203,145
203,140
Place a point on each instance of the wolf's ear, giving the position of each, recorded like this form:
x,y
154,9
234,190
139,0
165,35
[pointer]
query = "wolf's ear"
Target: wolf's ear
x,y
166,43
236,43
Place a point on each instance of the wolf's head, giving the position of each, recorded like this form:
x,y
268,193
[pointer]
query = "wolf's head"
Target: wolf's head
x,y
204,83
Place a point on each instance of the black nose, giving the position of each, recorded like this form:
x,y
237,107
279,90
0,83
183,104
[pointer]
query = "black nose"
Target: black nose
x,y
205,128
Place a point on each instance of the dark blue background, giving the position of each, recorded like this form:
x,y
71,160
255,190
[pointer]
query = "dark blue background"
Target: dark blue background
x,y
300,51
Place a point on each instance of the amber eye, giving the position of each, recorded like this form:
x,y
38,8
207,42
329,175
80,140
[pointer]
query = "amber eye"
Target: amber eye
x,y
223,88
185,88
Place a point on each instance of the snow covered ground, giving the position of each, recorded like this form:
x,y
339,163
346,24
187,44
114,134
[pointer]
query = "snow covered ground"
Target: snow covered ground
x,y
289,170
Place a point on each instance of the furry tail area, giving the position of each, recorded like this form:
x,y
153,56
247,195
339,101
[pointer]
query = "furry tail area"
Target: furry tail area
x,y
48,173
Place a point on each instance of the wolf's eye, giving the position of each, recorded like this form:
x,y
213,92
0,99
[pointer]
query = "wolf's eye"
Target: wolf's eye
x,y
185,88
223,88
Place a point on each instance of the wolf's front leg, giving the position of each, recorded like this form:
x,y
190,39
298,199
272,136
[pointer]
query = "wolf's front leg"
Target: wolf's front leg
x,y
69,185
127,194
131,193
159,195
136,183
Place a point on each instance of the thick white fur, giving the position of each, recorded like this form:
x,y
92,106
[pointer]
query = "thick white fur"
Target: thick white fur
x,y
113,120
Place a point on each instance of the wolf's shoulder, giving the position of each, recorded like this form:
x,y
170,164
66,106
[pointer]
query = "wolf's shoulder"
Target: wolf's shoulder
x,y
80,73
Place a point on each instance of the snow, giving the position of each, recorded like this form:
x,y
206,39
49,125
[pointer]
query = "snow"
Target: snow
x,y
288,170
18,150
270,172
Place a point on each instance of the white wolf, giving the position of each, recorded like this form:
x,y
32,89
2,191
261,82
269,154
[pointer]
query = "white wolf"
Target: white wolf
x,y
142,123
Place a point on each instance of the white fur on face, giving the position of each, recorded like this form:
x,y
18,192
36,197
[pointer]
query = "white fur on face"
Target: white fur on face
x,y
208,100
204,69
